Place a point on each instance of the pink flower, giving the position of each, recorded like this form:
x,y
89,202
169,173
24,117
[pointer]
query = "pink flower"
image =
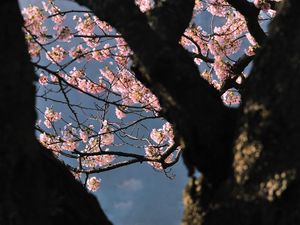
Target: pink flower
x,y
95,88
155,153
57,54
226,41
120,114
50,117
262,4
33,48
82,84
168,132
217,7
32,14
250,51
151,151
157,135
34,19
231,97
69,145
98,55
108,74
145,5
85,26
251,39
103,25
84,135
198,36
96,160
93,184
207,76
198,5
50,142
79,52
221,68
43,80
54,78
64,34
77,73
53,9
107,137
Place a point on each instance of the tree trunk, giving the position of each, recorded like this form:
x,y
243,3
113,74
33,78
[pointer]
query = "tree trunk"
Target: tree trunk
x,y
265,186
35,188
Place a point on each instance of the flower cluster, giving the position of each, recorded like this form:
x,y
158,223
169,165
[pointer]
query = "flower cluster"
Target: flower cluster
x,y
51,142
262,4
197,40
57,54
131,90
231,97
34,19
114,96
218,7
225,41
145,5
99,159
51,116
164,134
154,152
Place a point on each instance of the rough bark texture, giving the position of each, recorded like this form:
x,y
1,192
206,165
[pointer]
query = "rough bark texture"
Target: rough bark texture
x,y
265,188
35,188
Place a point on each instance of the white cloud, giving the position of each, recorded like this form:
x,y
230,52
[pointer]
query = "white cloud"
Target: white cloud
x,y
126,205
131,184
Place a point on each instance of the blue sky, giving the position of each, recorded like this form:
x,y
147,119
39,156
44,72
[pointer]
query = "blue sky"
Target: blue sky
x,y
138,195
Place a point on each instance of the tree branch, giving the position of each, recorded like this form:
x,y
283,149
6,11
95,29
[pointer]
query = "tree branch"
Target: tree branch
x,y
202,124
250,12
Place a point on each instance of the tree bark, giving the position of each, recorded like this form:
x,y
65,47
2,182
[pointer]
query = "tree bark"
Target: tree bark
x,y
35,188
265,186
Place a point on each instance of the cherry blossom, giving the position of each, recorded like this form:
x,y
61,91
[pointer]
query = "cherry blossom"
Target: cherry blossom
x,y
217,7
51,116
231,97
93,183
51,142
262,4
107,137
221,69
145,5
85,66
57,54
155,153
99,160
43,79
157,135
78,52
64,34
86,25
120,114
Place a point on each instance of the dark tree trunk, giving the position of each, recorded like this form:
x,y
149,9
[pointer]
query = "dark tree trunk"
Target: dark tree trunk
x,y
35,188
265,186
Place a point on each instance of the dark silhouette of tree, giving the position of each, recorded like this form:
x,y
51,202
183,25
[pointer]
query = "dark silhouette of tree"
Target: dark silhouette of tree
x,y
35,187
